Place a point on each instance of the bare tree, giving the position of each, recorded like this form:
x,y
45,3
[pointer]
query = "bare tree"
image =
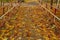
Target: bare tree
x,y
57,3
1,2
51,3
3,7
20,1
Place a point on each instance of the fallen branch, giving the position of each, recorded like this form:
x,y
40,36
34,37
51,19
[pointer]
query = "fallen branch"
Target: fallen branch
x,y
50,12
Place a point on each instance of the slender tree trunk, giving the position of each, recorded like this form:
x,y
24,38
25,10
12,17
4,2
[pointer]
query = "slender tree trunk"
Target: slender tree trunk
x,y
1,2
51,3
3,7
20,1
46,4
57,3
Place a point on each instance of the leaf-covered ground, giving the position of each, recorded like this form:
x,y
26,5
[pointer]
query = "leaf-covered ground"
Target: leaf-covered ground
x,y
28,23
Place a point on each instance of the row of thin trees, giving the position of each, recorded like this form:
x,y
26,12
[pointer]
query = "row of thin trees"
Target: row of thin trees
x,y
50,1
2,2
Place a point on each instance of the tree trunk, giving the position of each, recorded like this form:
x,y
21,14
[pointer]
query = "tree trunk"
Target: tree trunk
x,y
51,3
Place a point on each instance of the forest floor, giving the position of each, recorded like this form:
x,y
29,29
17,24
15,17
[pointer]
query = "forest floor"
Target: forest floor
x,y
28,22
